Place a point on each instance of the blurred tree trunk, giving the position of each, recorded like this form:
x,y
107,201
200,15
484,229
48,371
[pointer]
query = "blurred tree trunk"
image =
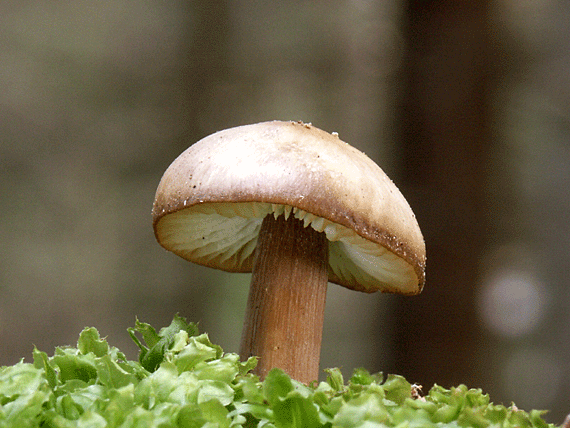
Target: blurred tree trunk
x,y
445,134
206,64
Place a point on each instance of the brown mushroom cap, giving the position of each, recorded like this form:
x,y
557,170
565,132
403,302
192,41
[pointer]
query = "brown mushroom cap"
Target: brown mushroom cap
x,y
212,199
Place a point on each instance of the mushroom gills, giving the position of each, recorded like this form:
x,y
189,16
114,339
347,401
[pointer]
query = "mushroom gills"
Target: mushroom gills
x,y
225,234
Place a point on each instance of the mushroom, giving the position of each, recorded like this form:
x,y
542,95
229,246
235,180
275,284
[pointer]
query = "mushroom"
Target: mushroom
x,y
297,207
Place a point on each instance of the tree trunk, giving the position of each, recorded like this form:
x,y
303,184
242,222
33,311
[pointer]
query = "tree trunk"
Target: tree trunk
x,y
446,143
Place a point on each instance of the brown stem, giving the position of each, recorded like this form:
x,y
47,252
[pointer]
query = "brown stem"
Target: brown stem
x,y
285,309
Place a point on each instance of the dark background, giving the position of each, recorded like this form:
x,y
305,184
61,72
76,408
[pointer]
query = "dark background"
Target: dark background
x,y
464,104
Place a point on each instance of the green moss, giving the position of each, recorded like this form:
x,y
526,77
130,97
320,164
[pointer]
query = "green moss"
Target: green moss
x,y
183,380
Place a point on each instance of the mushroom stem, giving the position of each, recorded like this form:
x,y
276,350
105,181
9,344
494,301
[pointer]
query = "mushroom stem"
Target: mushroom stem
x,y
285,309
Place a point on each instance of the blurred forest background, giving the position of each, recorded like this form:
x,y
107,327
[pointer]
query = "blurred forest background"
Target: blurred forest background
x,y
464,104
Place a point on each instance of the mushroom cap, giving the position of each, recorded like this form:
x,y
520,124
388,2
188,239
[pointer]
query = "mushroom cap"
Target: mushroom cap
x,y
212,199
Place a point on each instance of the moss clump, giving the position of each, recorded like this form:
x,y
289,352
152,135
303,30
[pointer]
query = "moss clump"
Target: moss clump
x,y
183,380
